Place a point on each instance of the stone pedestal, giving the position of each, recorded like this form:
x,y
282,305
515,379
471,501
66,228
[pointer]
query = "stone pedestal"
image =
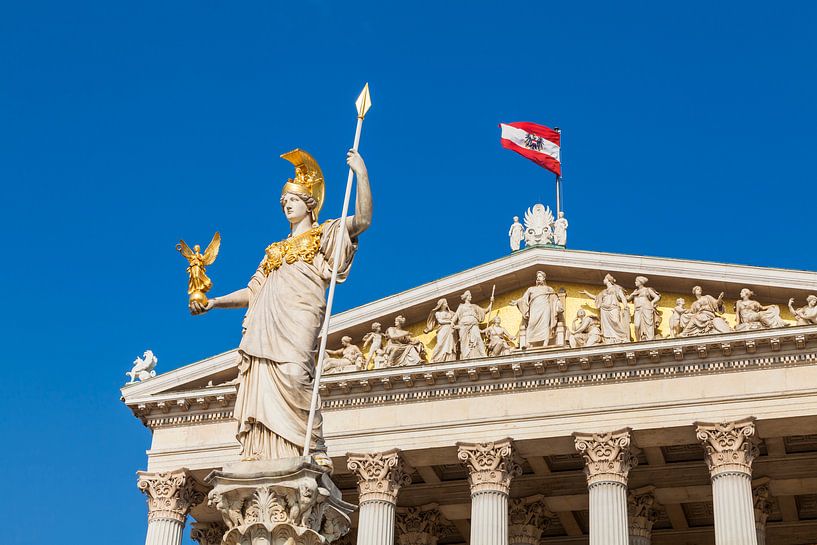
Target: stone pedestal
x,y
170,496
380,476
763,507
291,501
527,519
730,449
642,514
608,458
491,467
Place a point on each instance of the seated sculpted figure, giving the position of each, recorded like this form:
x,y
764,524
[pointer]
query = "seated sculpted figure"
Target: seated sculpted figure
x,y
752,315
704,315
586,330
401,348
806,315
347,358
499,340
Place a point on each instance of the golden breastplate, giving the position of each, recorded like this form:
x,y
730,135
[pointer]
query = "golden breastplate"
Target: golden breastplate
x,y
302,247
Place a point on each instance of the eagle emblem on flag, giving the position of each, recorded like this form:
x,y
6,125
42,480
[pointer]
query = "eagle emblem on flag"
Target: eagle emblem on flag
x,y
536,143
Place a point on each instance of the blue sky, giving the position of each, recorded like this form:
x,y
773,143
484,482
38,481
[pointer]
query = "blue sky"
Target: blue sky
x,y
688,131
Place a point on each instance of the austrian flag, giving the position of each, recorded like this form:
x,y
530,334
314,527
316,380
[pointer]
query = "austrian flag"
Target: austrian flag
x,y
536,142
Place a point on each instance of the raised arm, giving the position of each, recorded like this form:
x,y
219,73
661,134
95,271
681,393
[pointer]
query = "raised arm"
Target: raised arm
x,y
362,218
237,299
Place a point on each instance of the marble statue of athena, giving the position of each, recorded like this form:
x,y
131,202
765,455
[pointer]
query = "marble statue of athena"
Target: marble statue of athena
x,y
286,299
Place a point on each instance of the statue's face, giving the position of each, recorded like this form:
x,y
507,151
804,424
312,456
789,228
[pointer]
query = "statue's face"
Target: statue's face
x,y
540,278
294,208
812,302
744,294
697,291
467,297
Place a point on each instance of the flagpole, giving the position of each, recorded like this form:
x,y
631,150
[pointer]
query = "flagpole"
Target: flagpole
x,y
558,177
363,103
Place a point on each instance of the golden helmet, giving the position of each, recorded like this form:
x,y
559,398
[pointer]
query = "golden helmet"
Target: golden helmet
x,y
308,178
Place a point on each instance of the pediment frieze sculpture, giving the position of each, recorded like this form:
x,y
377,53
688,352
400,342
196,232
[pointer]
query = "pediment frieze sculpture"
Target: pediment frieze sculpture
x,y
380,475
642,512
528,518
418,525
298,505
608,457
170,495
545,320
730,447
491,466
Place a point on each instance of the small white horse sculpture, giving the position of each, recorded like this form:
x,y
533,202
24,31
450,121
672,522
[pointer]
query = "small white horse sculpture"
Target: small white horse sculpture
x,y
143,367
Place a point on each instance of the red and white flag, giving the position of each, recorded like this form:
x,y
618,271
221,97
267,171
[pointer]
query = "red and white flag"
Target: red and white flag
x,y
536,142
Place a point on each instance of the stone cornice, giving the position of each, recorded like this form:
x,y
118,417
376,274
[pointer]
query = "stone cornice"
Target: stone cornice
x,y
544,369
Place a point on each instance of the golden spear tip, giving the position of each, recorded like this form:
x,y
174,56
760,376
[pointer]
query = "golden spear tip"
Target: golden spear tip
x,y
363,102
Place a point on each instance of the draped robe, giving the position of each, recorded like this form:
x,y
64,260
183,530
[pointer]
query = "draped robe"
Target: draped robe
x,y
277,351
540,307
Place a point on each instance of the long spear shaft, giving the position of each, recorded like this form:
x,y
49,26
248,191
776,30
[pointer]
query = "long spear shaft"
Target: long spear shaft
x,y
363,103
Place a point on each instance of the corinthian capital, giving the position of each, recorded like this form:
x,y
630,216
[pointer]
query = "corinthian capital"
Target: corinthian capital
x,y
208,533
418,525
170,495
527,519
730,446
642,512
607,456
380,475
491,466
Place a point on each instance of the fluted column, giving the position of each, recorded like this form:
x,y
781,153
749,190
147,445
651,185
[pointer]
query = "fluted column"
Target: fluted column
x,y
380,476
642,514
527,518
763,507
170,496
491,467
418,525
608,458
730,449
208,533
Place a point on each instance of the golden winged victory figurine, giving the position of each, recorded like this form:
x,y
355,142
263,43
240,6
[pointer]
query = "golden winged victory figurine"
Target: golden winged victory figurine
x,y
199,284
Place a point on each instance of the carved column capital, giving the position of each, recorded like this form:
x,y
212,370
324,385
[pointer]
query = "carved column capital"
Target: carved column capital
x,y
762,501
418,525
642,511
730,446
491,466
608,457
380,475
170,495
208,533
527,519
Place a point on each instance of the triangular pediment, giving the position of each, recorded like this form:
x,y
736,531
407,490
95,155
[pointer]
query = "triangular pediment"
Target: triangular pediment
x,y
571,270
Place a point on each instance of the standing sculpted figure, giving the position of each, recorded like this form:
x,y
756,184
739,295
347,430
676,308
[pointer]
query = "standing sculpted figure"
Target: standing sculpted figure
x,y
401,348
806,315
560,230
374,339
286,298
613,311
347,358
677,318
499,340
516,234
704,315
467,320
586,330
752,315
540,307
441,318
646,316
